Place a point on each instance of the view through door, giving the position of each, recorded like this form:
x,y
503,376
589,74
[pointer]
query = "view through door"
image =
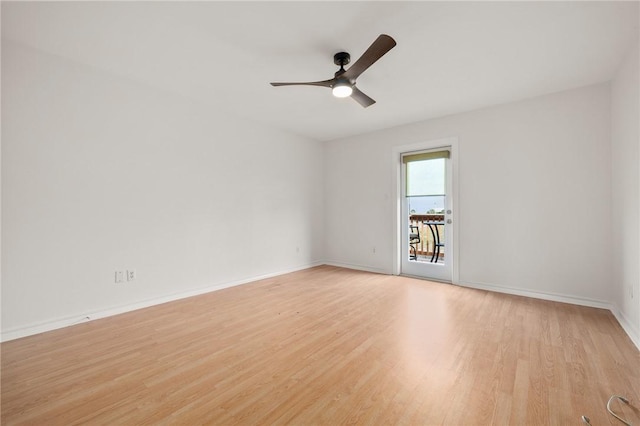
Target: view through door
x,y
427,214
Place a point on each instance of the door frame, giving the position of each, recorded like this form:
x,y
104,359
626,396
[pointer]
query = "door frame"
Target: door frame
x,y
396,158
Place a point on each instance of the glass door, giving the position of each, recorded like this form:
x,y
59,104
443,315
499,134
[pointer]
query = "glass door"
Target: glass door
x,y
426,245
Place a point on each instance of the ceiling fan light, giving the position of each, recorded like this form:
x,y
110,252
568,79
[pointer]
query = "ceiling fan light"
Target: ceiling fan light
x,y
342,90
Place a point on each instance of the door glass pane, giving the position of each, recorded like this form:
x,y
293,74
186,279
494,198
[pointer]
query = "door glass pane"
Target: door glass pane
x,y
425,177
426,204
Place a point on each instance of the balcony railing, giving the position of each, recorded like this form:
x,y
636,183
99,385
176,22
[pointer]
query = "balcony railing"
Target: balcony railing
x,y
426,245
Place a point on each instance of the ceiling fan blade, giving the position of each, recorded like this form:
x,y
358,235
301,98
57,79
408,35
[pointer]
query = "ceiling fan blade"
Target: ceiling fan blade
x,y
324,83
361,98
378,48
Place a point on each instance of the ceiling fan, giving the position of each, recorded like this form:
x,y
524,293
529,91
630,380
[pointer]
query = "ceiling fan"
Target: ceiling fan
x,y
344,82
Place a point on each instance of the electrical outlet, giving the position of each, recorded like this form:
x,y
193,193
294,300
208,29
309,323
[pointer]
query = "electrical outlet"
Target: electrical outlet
x,y
374,250
131,274
631,290
119,276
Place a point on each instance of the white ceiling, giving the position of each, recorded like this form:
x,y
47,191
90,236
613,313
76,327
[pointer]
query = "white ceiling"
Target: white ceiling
x,y
451,56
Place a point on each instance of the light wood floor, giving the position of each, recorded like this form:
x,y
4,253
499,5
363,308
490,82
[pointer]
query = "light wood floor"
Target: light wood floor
x,y
328,346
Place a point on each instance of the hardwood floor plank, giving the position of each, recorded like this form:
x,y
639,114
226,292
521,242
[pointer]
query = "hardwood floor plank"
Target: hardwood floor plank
x,y
327,346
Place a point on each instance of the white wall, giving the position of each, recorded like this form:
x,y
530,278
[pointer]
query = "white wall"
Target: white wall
x,y
100,174
534,213
625,142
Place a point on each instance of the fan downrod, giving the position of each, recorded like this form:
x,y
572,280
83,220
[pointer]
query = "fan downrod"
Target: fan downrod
x,y
341,58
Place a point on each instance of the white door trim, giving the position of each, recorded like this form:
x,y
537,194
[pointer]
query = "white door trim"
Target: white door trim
x,y
396,154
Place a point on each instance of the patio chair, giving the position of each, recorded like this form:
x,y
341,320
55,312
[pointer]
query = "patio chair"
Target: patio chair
x,y
414,240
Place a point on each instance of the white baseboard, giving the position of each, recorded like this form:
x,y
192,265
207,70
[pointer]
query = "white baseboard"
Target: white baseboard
x,y
356,267
554,297
90,316
631,331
